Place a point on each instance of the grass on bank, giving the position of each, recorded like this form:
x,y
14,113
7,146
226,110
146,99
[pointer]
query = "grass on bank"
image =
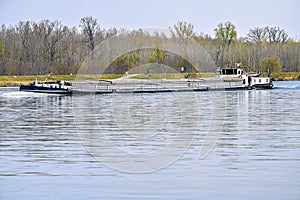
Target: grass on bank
x,y
285,76
10,81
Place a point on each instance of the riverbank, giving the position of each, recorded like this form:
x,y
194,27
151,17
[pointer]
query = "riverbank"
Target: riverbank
x,y
13,81
285,76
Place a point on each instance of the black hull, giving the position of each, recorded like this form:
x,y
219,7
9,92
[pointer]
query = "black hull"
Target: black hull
x,y
262,86
29,88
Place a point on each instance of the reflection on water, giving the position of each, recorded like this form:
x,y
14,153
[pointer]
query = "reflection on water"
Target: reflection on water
x,y
142,133
51,145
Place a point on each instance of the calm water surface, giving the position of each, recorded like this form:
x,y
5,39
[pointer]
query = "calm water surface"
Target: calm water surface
x,y
207,145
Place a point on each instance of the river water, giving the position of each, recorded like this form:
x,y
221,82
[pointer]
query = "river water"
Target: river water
x,y
206,145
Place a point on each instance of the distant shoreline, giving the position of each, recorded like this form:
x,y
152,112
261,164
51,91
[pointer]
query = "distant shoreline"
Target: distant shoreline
x,y
14,81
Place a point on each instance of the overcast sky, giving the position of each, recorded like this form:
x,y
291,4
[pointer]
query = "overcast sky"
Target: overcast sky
x,y
204,15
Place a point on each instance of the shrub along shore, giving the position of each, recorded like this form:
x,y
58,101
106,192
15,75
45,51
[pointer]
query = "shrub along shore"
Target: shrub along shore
x,y
14,81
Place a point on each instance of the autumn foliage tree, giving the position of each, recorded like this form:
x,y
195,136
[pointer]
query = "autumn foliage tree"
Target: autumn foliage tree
x,y
226,35
270,65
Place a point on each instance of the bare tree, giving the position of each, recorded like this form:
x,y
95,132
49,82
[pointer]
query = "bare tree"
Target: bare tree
x,y
182,30
89,28
275,34
257,35
36,47
24,32
52,33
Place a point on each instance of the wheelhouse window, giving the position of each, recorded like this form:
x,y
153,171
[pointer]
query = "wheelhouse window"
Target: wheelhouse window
x,y
228,71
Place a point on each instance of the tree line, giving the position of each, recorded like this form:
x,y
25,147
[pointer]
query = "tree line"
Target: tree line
x,y
32,48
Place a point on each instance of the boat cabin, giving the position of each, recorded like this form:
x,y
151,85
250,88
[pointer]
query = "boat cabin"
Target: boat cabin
x,y
260,82
250,81
232,72
53,84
